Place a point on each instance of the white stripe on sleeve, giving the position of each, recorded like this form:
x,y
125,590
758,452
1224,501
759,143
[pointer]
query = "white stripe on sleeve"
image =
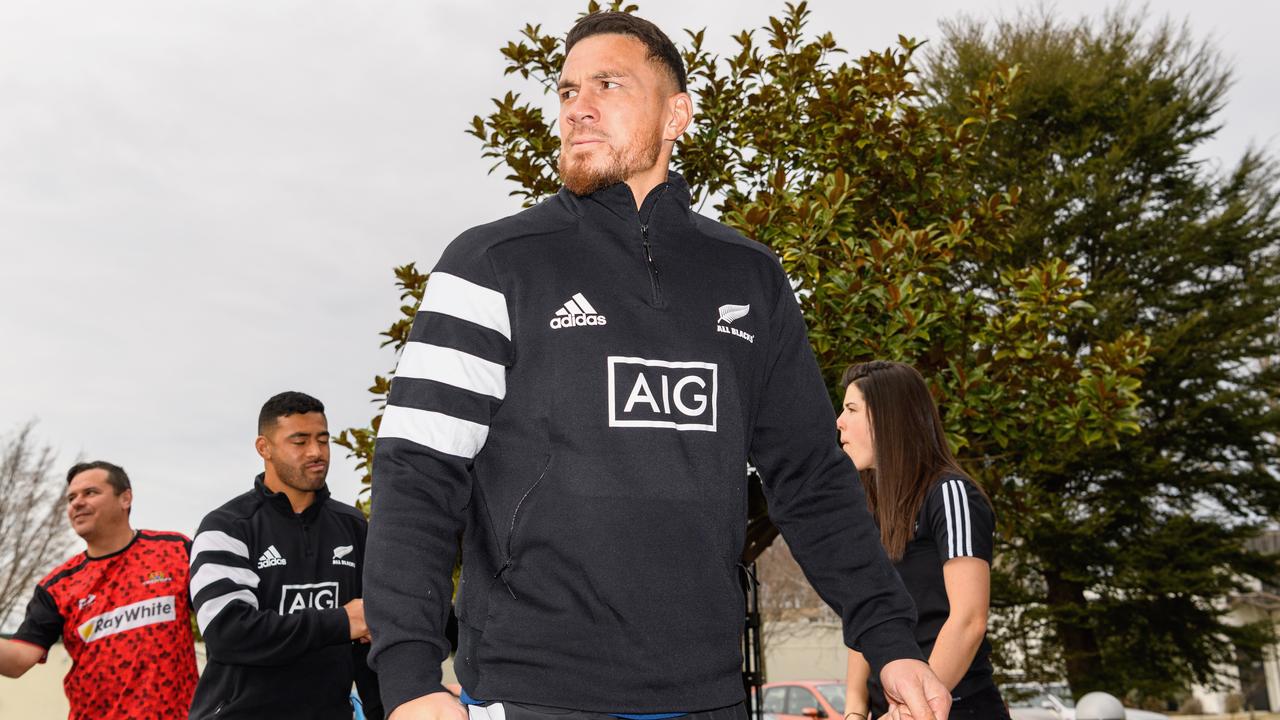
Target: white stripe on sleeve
x,y
967,536
440,432
216,540
451,295
951,534
452,367
210,573
209,610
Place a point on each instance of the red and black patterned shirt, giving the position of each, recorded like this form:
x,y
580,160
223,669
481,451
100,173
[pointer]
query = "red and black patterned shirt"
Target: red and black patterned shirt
x,y
125,619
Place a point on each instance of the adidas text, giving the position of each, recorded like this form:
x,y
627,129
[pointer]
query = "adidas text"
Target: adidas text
x,y
576,321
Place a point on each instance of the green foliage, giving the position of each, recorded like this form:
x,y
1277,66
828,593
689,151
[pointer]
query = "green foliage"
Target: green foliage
x,y
1120,558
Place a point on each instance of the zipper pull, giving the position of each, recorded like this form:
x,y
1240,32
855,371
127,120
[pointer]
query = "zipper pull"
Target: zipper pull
x,y
502,571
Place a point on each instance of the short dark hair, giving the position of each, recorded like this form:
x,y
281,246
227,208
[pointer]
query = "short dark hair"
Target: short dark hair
x,y
117,478
660,47
286,403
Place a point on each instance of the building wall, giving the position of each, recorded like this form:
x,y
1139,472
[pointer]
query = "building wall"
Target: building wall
x,y
804,651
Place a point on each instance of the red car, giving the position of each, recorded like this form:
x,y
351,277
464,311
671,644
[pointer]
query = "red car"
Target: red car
x,y
804,699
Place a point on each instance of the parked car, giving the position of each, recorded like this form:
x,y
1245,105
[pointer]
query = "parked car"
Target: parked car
x,y
1053,702
804,699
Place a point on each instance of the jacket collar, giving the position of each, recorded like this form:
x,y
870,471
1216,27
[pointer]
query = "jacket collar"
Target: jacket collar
x,y
280,502
669,197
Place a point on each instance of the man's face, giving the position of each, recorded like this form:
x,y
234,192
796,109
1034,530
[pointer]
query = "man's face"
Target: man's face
x,y
613,102
297,448
93,507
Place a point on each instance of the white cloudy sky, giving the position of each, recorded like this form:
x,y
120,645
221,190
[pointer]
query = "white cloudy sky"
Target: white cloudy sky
x,y
201,202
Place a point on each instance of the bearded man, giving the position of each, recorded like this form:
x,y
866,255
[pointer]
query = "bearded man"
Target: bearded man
x,y
584,386
275,580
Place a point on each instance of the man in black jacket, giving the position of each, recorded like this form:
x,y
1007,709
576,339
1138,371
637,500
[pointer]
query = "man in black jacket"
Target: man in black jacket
x,y
584,385
276,586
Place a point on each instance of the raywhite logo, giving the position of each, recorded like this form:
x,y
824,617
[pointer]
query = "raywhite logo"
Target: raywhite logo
x,y
729,313
342,551
576,313
270,558
129,617
662,394
316,596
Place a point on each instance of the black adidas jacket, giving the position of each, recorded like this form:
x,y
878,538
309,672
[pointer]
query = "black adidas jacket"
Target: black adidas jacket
x,y
583,388
268,587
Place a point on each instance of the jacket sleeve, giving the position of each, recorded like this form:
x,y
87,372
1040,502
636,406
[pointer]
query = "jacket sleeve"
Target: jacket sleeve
x,y
960,519
42,625
450,380
235,629
817,502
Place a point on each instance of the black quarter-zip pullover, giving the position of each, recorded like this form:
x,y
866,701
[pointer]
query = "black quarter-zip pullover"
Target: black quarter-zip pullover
x,y
583,388
268,586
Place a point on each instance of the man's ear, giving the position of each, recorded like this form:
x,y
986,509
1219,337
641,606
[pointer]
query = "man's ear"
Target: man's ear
x,y
126,499
679,115
263,447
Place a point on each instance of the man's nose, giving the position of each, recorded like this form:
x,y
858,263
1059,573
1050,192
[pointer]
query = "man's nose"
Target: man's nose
x,y
582,111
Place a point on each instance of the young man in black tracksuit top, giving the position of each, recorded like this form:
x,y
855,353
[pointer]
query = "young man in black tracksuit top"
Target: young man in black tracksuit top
x,y
276,586
584,385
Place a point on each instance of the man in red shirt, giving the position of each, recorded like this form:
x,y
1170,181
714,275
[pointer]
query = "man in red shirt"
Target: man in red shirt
x,y
120,608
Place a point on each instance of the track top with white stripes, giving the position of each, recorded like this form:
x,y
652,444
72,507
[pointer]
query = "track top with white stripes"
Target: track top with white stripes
x,y
583,387
956,521
268,587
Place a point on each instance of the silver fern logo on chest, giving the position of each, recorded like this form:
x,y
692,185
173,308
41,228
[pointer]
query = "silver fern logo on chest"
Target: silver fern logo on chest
x,y
729,313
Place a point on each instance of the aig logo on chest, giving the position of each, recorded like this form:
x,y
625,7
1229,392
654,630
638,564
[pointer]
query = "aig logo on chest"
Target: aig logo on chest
x,y
316,596
662,394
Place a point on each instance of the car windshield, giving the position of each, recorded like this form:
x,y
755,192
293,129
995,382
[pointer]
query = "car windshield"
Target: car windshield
x,y
834,693
1022,697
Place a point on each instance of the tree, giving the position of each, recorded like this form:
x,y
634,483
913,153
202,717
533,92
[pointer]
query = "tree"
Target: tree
x,y
34,534
868,200
1121,561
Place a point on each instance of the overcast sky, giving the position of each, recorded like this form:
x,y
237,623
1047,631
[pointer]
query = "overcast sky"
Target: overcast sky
x,y
201,202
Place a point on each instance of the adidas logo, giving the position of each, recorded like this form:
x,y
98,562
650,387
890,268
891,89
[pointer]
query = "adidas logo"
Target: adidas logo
x,y
576,313
270,558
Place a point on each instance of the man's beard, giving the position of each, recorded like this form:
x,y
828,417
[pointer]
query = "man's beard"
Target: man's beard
x,y
297,478
583,178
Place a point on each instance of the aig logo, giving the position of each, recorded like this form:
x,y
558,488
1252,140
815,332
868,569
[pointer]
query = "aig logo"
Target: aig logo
x,y
662,394
316,596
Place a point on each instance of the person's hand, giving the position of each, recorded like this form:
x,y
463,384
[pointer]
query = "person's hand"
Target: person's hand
x,y
436,706
355,618
913,691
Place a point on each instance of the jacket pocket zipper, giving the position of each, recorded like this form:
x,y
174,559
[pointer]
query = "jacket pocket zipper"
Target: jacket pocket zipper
x,y
511,531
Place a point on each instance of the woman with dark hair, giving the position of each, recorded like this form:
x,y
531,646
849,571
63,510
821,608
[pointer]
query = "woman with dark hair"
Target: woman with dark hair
x,y
937,526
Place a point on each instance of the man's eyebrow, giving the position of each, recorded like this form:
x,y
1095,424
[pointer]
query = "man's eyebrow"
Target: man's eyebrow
x,y
602,75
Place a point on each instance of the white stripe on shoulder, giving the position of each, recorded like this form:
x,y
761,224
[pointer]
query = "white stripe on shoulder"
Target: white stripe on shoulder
x,y
216,540
451,295
452,367
209,610
963,493
210,573
951,534
437,431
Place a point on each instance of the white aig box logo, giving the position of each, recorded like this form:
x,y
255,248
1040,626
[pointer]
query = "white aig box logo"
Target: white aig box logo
x,y
316,596
662,394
